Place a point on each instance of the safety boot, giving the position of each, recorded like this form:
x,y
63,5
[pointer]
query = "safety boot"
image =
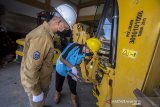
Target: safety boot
x,y
74,100
57,97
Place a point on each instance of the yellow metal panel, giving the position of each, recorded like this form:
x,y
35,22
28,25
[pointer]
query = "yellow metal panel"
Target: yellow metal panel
x,y
20,53
57,52
139,24
20,41
103,90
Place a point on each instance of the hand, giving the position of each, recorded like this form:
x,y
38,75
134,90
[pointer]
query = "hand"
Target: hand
x,y
74,71
38,98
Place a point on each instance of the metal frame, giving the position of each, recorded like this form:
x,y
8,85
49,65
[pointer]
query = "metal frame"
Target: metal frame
x,y
114,31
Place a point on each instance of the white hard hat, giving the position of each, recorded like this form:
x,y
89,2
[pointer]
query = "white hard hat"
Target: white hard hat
x,y
67,13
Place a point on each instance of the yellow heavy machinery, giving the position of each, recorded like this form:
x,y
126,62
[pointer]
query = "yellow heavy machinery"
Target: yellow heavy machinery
x,y
125,72
127,66
79,35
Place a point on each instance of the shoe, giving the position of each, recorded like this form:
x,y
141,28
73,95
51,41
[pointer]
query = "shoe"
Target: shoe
x,y
57,97
74,100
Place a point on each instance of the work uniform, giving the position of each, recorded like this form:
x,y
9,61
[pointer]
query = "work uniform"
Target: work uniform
x,y
37,66
73,54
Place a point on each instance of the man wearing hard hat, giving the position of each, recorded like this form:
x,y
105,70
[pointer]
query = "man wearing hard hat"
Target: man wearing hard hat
x,y
36,66
67,62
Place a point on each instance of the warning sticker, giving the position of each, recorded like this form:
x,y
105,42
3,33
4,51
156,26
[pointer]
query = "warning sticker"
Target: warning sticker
x,y
129,53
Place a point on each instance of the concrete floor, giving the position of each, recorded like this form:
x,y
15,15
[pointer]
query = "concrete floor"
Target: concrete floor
x,y
13,95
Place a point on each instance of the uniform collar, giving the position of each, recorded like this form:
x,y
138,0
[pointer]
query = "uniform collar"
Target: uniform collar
x,y
46,26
